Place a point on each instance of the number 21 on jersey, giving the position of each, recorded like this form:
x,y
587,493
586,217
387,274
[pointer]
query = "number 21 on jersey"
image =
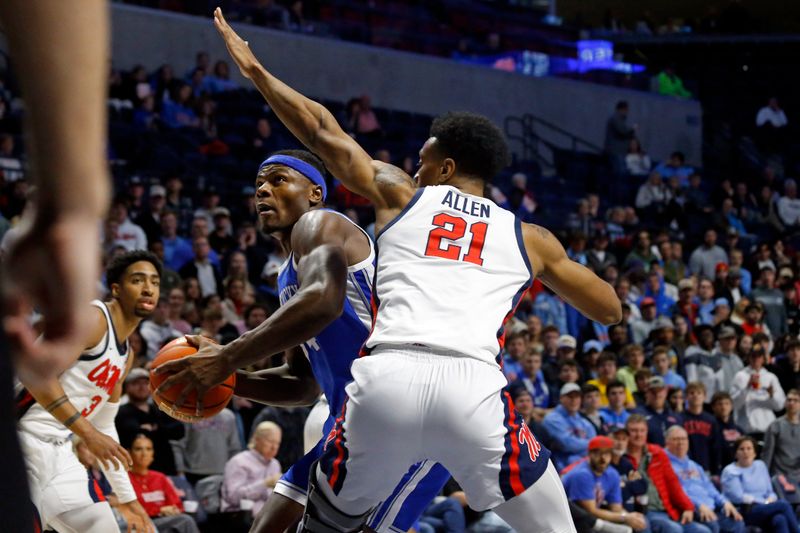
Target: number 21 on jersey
x,y
452,228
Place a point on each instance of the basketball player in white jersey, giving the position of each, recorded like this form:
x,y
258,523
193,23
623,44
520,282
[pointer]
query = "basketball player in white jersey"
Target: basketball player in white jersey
x,y
84,400
452,266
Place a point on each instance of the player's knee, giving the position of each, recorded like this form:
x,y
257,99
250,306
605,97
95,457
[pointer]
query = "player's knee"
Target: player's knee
x,y
322,517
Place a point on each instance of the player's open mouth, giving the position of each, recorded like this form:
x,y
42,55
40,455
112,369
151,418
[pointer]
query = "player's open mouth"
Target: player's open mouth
x,y
147,304
264,209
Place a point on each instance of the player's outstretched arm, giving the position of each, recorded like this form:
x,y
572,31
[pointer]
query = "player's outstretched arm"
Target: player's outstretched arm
x,y
319,242
289,385
316,128
61,53
575,283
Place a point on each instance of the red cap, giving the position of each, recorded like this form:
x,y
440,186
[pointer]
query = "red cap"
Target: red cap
x,y
721,267
601,442
647,300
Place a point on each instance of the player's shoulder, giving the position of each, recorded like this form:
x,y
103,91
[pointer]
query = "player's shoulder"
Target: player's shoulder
x,y
99,327
321,226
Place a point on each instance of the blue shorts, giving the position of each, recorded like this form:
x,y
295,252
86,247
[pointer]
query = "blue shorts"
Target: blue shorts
x,y
421,484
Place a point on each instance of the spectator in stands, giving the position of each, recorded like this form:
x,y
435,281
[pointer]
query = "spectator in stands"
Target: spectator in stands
x,y
606,373
700,363
642,377
669,84
156,330
550,309
672,259
177,250
129,235
789,205
618,137
662,368
590,406
532,379
178,112
656,411
515,348
633,355
254,315
667,505
771,115
150,218
206,446
291,420
362,118
676,400
704,259
615,413
642,254
641,328
734,287
747,484
637,161
771,298
201,267
713,510
252,474
727,430
701,427
756,394
787,368
597,488
627,297
221,238
177,302
675,166
781,452
653,195
752,324
568,429
598,258
705,302
728,360
141,417
10,165
156,492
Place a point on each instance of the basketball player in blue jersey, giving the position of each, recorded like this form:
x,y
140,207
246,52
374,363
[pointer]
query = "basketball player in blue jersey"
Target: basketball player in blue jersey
x,y
451,268
324,319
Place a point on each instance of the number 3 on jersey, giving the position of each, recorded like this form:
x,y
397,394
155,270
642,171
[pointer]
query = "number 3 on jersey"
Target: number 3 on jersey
x,y
452,229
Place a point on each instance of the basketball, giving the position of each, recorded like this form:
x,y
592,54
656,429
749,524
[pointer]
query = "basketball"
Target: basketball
x,y
214,400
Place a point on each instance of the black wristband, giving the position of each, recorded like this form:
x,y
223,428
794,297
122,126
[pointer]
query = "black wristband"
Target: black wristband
x,y
71,420
55,403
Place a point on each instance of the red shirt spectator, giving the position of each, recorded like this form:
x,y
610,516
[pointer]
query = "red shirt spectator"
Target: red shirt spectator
x,y
154,491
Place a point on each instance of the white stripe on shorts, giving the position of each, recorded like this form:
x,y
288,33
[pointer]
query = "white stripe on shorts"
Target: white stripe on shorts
x,y
397,504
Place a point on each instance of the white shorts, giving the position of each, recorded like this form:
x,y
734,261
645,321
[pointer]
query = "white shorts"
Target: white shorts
x,y
58,481
408,405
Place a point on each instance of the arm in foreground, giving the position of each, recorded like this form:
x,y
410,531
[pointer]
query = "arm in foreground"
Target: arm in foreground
x,y
576,284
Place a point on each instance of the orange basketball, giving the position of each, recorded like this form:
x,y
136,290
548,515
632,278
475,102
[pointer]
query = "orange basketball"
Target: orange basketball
x,y
214,400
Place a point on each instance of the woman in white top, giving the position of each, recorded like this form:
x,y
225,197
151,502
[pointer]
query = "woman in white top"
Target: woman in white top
x,y
756,394
637,161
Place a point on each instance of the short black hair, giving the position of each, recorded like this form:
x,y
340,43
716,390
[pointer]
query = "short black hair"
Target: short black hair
x,y
306,157
475,144
615,384
117,267
622,104
252,307
678,155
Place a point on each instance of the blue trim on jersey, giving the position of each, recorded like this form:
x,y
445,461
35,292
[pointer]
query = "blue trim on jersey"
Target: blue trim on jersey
x,y
360,283
396,219
521,244
414,504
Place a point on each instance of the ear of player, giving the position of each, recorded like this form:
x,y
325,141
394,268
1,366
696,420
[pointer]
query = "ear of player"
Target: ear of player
x,y
189,410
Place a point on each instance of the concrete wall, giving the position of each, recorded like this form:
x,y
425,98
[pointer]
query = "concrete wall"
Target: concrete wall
x,y
335,70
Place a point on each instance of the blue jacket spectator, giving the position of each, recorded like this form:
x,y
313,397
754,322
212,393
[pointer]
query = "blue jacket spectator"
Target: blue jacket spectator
x,y
659,416
551,310
569,430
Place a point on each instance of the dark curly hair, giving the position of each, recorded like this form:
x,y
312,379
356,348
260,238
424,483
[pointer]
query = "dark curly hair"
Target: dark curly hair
x,y
475,144
305,156
117,267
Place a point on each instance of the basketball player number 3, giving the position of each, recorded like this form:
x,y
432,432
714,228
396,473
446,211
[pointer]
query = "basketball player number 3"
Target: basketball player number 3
x,y
452,229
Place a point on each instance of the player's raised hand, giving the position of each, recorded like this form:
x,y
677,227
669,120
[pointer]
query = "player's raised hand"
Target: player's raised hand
x,y
238,48
53,267
197,373
109,452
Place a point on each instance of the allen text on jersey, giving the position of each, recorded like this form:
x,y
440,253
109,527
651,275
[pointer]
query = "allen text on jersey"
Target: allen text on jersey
x,y
466,205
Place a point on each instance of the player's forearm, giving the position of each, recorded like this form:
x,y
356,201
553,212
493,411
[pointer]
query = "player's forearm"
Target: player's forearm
x,y
66,113
51,396
276,386
306,314
308,120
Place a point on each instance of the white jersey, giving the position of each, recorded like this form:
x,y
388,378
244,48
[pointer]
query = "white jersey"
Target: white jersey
x,y
88,384
451,269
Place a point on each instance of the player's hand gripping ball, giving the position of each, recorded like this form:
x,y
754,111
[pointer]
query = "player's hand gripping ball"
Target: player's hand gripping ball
x,y
213,401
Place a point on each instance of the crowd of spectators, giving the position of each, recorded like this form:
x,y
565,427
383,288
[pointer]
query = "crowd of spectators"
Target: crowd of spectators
x,y
707,274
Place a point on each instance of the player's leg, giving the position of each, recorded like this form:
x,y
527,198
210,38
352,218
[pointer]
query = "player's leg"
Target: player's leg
x,y
375,440
492,454
94,518
421,484
542,507
277,515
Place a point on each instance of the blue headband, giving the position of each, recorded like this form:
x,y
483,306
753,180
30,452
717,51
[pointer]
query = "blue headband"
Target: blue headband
x,y
299,165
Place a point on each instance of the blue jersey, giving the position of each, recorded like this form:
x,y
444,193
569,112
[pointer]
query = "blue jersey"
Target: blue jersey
x,y
332,351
